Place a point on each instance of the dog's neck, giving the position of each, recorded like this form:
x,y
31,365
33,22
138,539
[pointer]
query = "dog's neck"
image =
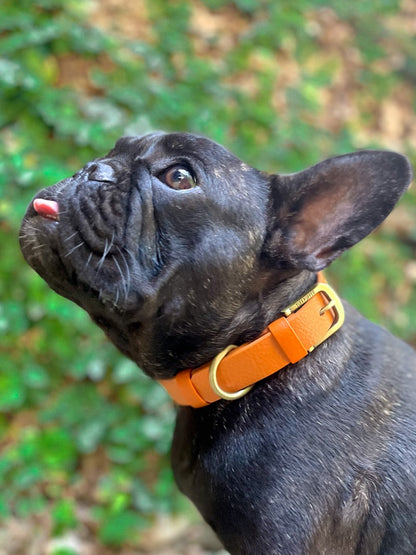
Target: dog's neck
x,y
304,325
275,296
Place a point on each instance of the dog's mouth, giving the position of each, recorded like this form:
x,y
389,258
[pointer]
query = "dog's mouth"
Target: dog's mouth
x,y
41,239
77,244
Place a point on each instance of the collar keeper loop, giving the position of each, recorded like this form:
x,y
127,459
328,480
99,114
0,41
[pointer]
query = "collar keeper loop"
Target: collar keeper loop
x,y
289,342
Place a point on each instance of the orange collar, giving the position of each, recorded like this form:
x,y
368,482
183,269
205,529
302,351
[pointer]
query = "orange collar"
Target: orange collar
x,y
305,325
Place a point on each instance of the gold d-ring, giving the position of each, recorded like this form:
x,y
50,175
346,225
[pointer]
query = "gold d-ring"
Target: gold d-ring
x,y
213,382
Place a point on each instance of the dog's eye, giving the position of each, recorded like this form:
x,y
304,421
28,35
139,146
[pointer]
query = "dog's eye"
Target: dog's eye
x,y
178,177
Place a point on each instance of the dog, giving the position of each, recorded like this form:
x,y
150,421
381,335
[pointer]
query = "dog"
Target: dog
x,y
188,258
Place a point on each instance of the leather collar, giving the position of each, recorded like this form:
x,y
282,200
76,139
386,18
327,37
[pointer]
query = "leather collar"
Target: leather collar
x,y
303,326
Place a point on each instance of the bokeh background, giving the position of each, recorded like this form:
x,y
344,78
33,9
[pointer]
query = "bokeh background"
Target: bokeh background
x,y
84,436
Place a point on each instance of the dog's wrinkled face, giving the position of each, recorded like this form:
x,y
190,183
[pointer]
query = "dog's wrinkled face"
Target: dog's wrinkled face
x,y
175,247
148,243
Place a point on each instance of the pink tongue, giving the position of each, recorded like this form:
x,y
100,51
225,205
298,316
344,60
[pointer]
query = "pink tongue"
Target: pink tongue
x,y
46,208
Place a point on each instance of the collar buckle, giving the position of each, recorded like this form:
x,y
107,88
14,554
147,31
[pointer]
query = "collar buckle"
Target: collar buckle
x,y
334,304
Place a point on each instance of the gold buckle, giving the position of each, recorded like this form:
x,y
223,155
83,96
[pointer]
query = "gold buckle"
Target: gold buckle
x,y
334,304
213,382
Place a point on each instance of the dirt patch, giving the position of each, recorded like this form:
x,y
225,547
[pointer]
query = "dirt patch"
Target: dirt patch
x,y
128,19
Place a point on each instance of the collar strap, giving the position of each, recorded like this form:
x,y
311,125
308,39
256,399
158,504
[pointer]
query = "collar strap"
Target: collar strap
x,y
304,325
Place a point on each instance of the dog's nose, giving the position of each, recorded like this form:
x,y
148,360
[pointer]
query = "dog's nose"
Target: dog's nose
x,y
101,171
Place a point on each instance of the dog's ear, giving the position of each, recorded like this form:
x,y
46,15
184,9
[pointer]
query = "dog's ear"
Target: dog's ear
x,y
322,211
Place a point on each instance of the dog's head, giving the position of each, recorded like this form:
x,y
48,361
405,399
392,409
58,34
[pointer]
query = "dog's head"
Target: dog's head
x,y
176,248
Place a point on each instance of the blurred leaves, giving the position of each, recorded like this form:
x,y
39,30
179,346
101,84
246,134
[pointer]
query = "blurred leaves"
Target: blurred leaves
x,y
281,84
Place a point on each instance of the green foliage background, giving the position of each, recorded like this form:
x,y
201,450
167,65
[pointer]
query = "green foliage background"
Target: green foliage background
x,y
68,401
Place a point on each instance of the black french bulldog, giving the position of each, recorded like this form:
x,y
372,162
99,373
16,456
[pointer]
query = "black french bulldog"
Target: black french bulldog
x,y
177,249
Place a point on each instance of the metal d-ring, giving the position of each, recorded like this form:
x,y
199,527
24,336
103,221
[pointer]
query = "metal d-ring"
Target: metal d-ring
x,y
213,382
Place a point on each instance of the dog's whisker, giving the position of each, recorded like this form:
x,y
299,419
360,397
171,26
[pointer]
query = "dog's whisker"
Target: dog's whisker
x,y
74,249
124,284
71,236
25,236
88,261
101,261
39,247
127,270
107,247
